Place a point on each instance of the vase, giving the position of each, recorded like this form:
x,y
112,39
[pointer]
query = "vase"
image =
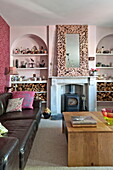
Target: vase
x,y
46,115
95,73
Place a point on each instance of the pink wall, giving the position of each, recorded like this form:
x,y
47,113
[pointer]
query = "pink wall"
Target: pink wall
x,y
48,34
4,53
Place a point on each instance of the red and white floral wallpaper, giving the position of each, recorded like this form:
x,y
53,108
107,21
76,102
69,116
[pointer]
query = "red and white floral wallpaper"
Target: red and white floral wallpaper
x,y
4,53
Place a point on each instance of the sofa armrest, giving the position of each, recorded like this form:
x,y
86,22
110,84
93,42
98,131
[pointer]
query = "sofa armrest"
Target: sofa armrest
x,y
4,101
37,103
9,153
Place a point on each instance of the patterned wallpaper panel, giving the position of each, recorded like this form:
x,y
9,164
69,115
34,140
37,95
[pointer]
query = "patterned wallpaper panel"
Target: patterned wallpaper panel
x,y
4,53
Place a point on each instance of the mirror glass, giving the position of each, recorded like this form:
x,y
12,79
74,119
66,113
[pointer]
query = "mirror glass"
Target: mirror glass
x,y
72,51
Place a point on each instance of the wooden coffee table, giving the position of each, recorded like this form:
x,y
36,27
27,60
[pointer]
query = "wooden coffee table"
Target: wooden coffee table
x,y
89,146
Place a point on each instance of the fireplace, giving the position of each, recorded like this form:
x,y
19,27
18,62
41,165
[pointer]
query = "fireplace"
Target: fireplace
x,y
70,102
88,92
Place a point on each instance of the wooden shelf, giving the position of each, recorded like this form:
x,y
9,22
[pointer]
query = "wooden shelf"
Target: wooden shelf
x,y
22,82
36,68
104,101
26,55
100,54
104,67
41,92
44,101
104,81
104,91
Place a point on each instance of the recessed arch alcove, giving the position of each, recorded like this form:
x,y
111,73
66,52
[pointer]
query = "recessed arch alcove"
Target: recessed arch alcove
x,y
28,41
24,42
106,41
104,62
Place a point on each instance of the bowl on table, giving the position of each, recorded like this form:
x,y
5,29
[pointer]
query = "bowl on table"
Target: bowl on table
x,y
108,115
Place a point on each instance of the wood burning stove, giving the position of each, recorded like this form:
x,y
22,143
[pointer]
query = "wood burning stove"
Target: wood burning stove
x,y
70,102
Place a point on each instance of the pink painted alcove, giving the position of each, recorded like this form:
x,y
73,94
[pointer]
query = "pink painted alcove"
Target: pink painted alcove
x,y
28,41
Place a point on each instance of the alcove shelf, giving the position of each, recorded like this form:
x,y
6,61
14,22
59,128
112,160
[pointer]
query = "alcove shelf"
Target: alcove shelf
x,y
35,68
28,71
104,67
22,82
102,54
28,55
104,85
104,80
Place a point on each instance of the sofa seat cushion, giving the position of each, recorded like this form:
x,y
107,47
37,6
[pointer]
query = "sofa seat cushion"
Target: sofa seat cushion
x,y
18,128
24,114
9,151
25,131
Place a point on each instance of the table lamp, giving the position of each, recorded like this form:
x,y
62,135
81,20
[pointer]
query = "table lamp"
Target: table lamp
x,y
12,71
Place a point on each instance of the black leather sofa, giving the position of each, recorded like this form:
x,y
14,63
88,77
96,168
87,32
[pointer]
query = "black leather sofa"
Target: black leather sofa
x,y
22,127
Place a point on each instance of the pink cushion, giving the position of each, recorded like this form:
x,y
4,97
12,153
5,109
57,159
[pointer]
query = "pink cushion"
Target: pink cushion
x,y
28,98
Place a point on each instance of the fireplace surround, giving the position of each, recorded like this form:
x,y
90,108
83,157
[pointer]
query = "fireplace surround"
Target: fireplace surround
x,y
58,87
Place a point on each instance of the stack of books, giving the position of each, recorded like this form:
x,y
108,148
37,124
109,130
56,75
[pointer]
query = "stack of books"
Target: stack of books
x,y
83,121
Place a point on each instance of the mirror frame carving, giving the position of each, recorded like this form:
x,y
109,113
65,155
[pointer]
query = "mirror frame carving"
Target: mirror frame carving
x,y
62,30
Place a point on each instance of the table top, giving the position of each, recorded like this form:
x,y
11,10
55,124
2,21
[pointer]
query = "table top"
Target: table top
x,y
101,123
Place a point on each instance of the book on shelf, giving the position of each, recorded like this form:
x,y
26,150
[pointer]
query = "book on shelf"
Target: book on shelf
x,y
83,121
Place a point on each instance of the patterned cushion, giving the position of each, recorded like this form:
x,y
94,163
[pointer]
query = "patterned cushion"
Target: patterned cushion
x,y
28,98
14,105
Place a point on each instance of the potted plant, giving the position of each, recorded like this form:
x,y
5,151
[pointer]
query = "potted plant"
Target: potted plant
x,y
93,71
47,113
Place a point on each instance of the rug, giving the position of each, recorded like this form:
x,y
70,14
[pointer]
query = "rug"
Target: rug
x,y
49,150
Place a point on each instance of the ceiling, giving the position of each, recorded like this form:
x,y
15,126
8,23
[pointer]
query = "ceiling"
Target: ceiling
x,y
54,12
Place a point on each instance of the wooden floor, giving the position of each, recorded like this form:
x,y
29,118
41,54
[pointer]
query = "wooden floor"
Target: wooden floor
x,y
89,146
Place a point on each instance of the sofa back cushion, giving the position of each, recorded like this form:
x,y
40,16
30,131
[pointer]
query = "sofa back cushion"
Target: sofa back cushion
x,y
28,98
4,101
14,105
